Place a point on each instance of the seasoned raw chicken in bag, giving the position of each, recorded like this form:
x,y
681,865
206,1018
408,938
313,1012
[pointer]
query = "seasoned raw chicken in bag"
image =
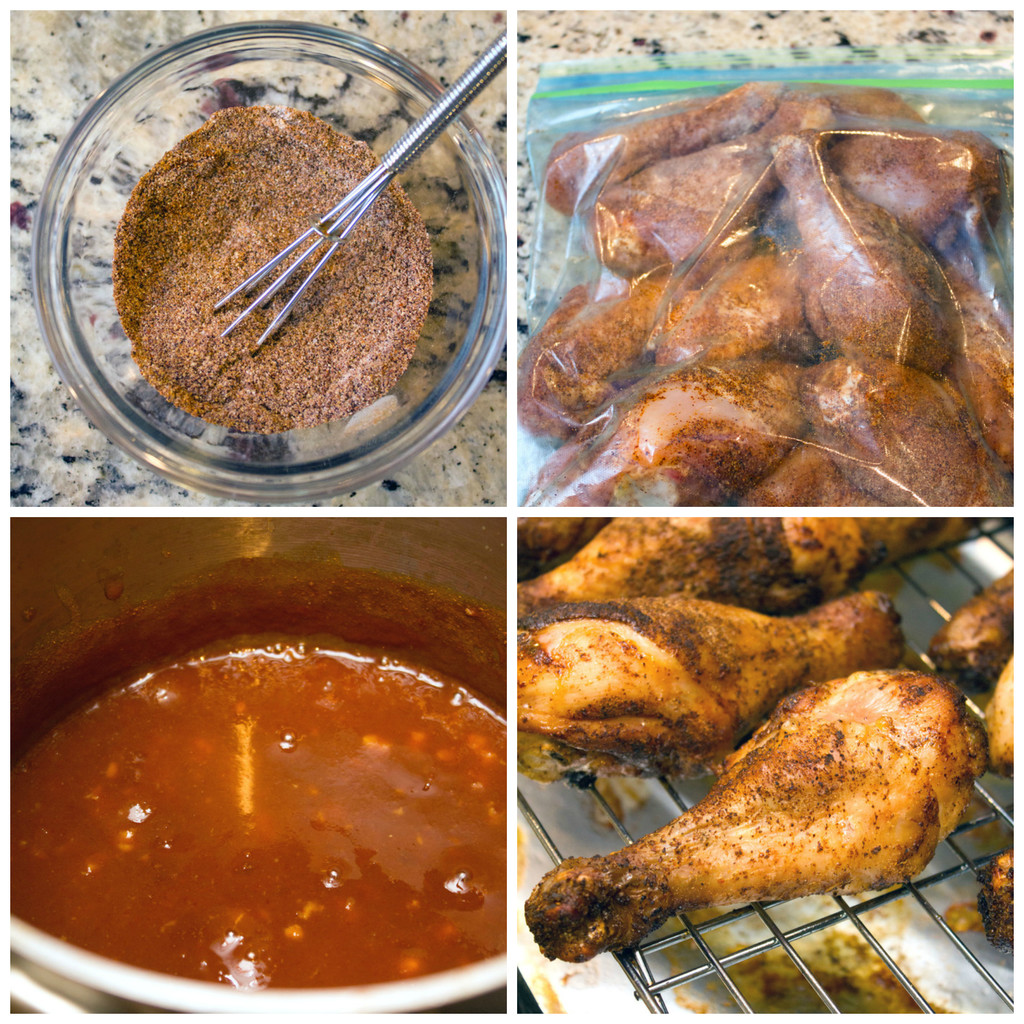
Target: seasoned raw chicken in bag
x,y
812,309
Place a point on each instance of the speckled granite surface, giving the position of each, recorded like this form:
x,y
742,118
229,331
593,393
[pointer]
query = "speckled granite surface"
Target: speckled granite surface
x,y
57,457
548,37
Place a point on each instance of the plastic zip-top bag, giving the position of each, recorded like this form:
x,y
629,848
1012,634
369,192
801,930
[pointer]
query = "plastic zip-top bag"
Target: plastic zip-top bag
x,y
771,279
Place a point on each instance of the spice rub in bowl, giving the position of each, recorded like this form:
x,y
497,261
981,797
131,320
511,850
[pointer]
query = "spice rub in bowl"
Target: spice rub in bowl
x,y
216,207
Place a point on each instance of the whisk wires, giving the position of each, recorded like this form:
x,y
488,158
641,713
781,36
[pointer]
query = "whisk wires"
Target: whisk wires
x,y
334,227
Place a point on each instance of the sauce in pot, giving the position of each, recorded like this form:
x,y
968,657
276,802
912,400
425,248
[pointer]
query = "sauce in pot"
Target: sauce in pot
x,y
281,815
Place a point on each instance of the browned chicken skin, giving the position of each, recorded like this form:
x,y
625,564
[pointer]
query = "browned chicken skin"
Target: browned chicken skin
x,y
995,901
977,641
999,723
693,436
848,787
567,369
669,685
542,540
869,287
771,564
901,435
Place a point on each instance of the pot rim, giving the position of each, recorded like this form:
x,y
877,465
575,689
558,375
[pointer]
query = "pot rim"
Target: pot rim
x,y
139,985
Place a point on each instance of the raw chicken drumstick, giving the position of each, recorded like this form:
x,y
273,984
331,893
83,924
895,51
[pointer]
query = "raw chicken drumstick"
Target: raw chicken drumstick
x,y
901,435
751,309
925,179
772,564
848,787
869,287
664,211
578,162
669,685
807,476
567,369
984,369
660,216
696,435
575,164
977,641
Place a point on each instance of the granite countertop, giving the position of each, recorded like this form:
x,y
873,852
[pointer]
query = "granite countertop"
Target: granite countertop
x,y
57,457
552,36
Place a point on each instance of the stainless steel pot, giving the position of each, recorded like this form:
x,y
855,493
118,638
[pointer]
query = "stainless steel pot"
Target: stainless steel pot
x,y
90,595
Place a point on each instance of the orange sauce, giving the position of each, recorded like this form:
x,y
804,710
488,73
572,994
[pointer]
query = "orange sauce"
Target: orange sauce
x,y
280,815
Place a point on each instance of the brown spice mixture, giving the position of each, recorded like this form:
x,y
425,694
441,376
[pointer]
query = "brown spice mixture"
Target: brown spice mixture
x,y
222,202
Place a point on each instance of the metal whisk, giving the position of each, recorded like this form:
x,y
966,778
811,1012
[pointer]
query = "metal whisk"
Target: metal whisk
x,y
334,227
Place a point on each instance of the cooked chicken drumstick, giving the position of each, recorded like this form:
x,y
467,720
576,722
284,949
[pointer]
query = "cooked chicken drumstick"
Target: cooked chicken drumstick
x,y
542,541
999,723
975,644
995,901
778,564
668,685
848,787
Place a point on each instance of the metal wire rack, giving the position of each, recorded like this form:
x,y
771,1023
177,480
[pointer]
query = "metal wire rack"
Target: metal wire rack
x,y
909,941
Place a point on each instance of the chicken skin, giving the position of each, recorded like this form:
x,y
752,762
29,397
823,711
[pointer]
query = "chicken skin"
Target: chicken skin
x,y
568,368
751,309
580,162
575,164
772,565
660,216
848,787
693,436
977,641
870,288
807,476
984,368
901,435
669,685
995,901
926,180
542,541
999,723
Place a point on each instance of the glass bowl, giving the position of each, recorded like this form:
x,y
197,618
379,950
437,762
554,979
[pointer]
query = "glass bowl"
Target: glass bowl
x,y
357,86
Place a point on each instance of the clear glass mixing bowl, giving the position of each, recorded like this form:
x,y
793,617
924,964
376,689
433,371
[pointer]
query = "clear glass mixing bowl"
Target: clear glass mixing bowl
x,y
359,87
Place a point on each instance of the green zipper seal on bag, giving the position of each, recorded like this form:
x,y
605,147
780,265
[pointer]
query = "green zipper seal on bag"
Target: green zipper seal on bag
x,y
885,83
